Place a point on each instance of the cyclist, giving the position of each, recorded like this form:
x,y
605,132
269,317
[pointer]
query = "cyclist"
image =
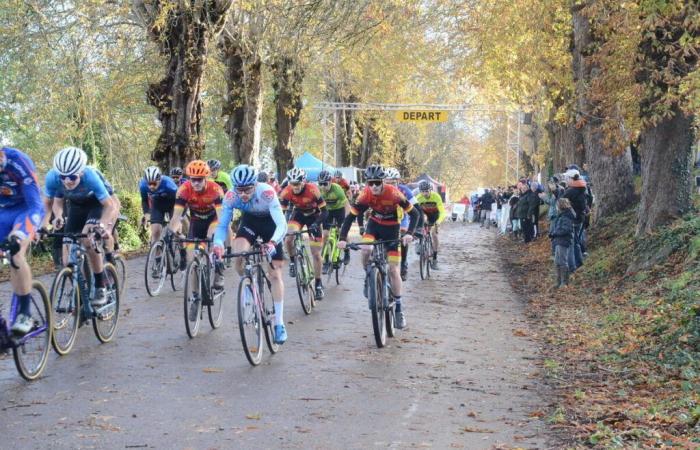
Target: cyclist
x,y
90,208
158,193
340,180
21,211
221,177
335,203
393,177
262,217
431,204
177,176
310,211
203,197
384,201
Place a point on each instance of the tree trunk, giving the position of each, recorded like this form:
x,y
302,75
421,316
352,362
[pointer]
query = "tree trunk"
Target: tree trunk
x,y
287,84
243,102
183,32
566,144
610,173
667,159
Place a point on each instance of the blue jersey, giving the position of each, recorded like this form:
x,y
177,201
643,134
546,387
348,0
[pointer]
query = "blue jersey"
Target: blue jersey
x,y
108,185
167,190
91,187
411,199
263,203
18,183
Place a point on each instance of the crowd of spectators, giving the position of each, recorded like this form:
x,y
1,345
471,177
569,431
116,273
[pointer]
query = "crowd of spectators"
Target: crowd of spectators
x,y
564,202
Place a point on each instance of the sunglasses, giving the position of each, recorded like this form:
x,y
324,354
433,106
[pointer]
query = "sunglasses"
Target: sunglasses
x,y
197,180
68,177
375,183
295,183
153,184
245,190
323,184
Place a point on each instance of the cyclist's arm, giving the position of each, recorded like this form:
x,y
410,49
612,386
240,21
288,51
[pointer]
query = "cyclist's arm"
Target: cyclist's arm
x,y
356,211
412,212
441,209
323,209
143,189
280,222
225,214
181,200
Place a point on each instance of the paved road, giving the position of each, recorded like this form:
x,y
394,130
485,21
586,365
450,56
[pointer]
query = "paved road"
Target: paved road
x,y
457,377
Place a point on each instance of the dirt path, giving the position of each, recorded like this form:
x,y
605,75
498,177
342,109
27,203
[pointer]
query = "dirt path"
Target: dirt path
x,y
460,376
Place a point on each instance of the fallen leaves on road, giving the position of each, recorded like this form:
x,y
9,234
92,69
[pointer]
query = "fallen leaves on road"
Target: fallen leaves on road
x,y
254,416
476,430
212,370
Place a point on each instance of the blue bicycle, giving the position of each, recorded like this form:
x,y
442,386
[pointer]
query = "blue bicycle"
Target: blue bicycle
x,y
30,351
71,291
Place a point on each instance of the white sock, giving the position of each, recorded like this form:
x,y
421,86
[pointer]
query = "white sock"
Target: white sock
x,y
279,313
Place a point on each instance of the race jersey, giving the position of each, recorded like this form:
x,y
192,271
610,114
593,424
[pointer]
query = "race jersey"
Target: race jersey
x,y
108,185
18,183
91,187
335,197
204,203
411,199
263,203
342,182
167,189
224,180
384,206
308,201
432,204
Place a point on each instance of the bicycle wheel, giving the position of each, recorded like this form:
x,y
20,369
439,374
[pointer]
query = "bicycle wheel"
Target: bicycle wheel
x,y
310,277
250,322
193,298
65,305
302,284
423,259
265,292
106,317
32,350
156,268
389,316
376,304
215,311
177,276
120,265
429,255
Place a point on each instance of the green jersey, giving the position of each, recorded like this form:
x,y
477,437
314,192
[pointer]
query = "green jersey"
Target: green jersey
x,y
335,197
223,179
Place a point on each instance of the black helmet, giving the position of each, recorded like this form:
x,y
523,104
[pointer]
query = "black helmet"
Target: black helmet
x,y
324,176
176,172
425,186
214,164
263,177
375,172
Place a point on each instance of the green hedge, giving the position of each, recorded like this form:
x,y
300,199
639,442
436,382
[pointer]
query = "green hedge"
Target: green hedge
x,y
131,235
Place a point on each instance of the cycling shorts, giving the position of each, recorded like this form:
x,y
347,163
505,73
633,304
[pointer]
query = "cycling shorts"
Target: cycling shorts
x,y
335,215
432,218
252,227
199,226
378,232
81,214
17,218
299,220
160,209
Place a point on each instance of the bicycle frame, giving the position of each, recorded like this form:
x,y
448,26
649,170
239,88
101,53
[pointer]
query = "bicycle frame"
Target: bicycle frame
x,y
301,249
7,341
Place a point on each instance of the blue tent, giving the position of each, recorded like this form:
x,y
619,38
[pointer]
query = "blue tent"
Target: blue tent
x,y
312,165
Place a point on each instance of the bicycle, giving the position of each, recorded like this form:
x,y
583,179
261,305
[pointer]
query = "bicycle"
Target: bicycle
x,y
379,295
304,272
119,261
29,368
199,290
331,255
255,316
426,252
163,260
71,291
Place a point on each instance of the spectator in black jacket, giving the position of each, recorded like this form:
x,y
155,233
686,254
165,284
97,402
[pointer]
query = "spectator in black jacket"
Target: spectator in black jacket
x,y
576,193
525,211
562,236
485,207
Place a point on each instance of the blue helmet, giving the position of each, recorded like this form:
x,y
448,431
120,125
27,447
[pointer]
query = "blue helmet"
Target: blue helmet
x,y
244,175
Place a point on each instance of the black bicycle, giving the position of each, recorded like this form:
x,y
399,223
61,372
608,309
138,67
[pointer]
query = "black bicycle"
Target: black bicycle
x,y
163,261
255,306
378,292
199,289
304,272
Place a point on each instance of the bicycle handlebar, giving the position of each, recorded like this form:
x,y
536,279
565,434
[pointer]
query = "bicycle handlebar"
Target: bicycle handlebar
x,y
297,233
357,245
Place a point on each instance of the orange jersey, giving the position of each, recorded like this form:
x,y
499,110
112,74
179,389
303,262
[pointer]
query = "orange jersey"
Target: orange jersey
x,y
308,201
342,182
384,206
202,203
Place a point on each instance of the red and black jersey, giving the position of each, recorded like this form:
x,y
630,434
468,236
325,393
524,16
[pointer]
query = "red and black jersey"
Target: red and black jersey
x,y
308,201
205,202
342,182
384,206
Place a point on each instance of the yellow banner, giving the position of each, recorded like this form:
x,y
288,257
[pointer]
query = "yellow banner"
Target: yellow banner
x,y
421,116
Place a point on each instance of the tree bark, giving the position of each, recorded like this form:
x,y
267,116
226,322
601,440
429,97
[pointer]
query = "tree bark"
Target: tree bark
x,y
610,173
183,32
243,102
566,144
667,160
287,84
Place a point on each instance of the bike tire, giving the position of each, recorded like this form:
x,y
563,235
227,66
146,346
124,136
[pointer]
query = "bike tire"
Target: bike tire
x,y
177,276
66,311
390,318
265,292
422,260
215,312
302,284
376,303
32,371
310,277
249,317
429,256
120,265
153,287
106,318
193,296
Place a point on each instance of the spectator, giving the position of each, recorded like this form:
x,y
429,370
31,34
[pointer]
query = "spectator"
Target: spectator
x,y
562,235
576,193
525,211
514,220
485,207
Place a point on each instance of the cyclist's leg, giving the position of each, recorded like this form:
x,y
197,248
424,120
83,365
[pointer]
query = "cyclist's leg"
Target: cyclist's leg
x,y
219,267
370,235
266,229
293,225
22,227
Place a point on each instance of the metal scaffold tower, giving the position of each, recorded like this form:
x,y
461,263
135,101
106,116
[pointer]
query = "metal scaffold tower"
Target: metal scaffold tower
x,y
330,119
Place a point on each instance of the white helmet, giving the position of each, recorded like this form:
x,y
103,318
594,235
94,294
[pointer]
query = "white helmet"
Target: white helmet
x,y
70,160
151,174
392,173
296,175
